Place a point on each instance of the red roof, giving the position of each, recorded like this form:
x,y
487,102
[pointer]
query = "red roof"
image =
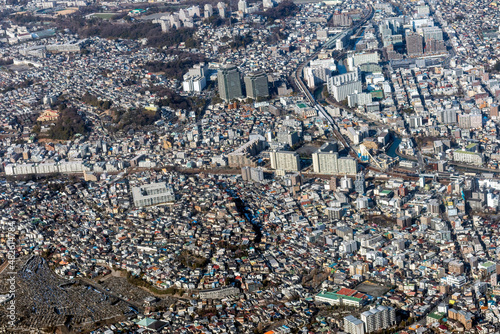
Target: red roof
x,y
346,292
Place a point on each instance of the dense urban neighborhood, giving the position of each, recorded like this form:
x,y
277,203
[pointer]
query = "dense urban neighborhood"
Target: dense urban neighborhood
x,y
248,166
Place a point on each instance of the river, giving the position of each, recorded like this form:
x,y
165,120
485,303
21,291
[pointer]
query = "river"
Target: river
x,y
394,146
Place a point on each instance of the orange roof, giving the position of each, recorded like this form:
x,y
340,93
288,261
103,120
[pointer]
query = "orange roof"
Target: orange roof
x,y
346,292
359,295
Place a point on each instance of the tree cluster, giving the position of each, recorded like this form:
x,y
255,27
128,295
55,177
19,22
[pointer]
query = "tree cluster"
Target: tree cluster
x,y
6,61
169,98
277,35
69,123
192,261
129,30
175,69
284,9
92,100
133,119
241,41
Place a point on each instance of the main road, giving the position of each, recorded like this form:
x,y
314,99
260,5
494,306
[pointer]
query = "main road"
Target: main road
x,y
297,77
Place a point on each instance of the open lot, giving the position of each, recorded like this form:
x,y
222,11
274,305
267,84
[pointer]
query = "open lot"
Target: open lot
x,y
373,289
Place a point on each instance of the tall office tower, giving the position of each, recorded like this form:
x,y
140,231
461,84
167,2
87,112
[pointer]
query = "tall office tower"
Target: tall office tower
x,y
414,44
359,183
256,85
209,10
242,6
229,82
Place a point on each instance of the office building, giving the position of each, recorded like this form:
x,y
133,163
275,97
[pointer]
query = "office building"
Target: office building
x,y
285,160
415,122
256,85
414,44
359,184
152,194
229,82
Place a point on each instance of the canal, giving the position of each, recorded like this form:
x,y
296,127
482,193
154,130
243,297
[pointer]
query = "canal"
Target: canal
x,y
394,146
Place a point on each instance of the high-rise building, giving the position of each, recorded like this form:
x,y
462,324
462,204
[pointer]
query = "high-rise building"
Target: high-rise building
x,y
340,86
347,165
414,44
353,325
267,4
433,33
333,183
325,159
285,160
474,120
242,6
447,116
433,46
221,6
209,10
346,183
229,83
377,318
256,85
341,20
494,109
359,184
